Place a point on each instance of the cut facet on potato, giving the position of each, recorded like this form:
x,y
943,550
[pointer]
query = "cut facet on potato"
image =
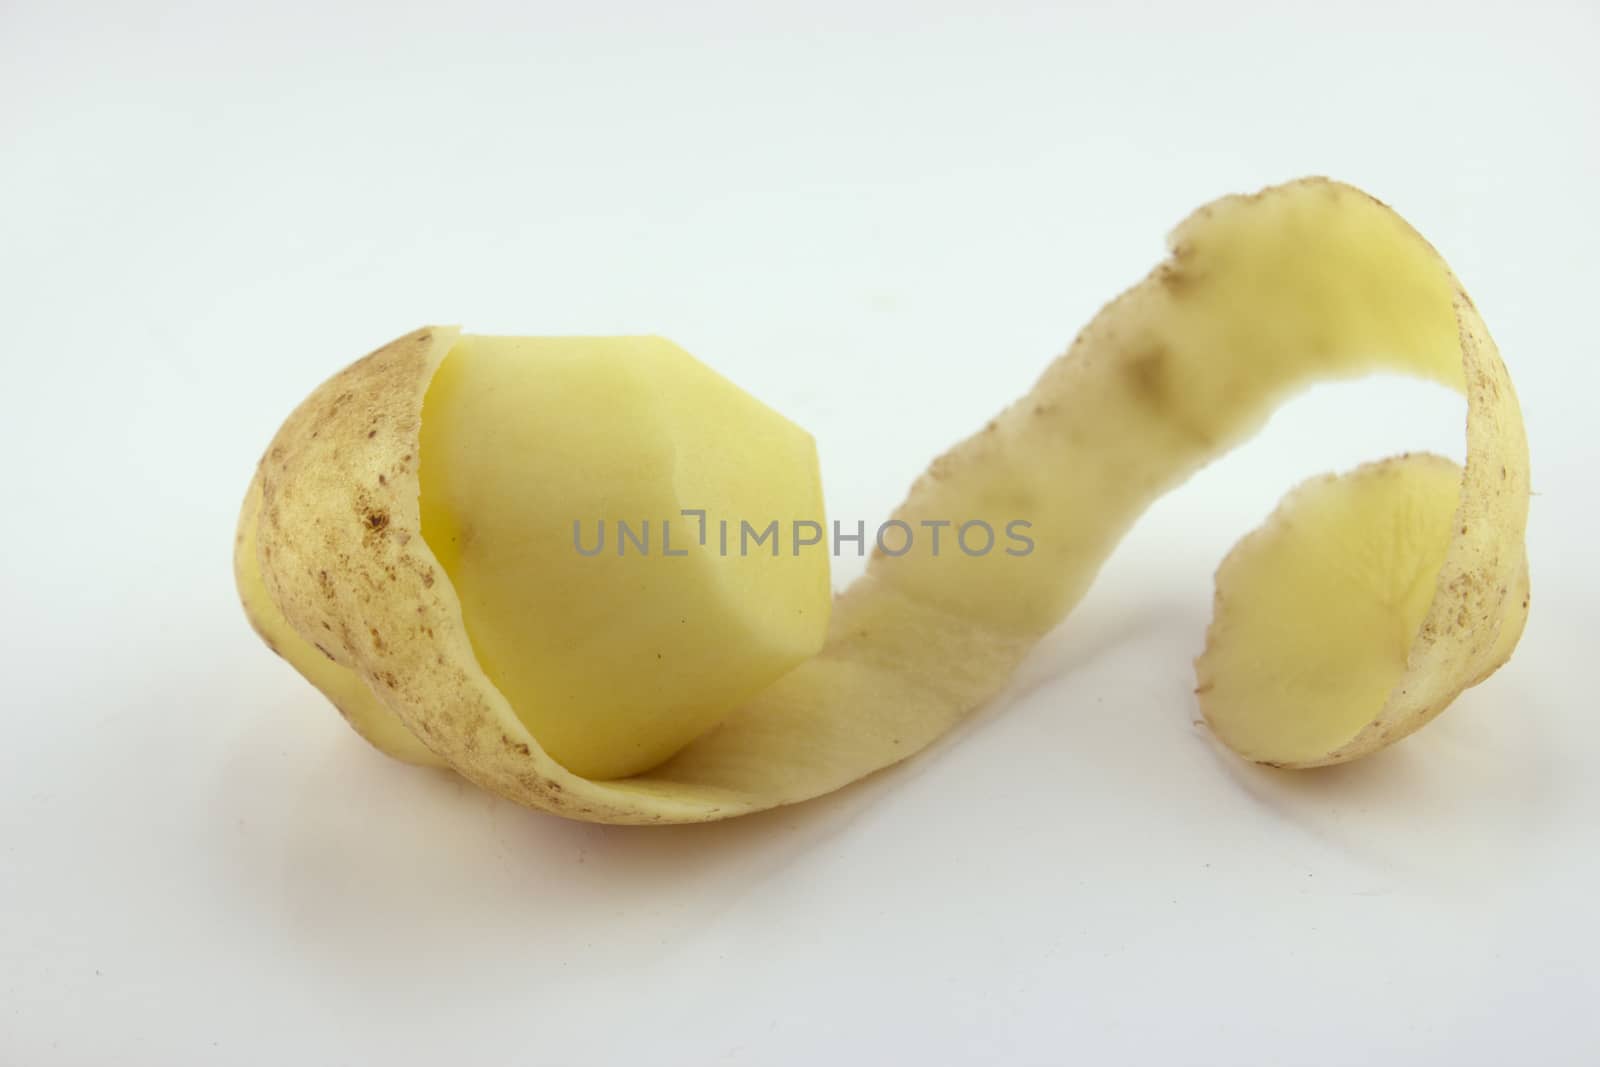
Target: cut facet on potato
x,y
626,577
1261,295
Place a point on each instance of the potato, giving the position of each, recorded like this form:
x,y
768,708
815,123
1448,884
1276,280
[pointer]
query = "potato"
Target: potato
x,y
1358,611
601,483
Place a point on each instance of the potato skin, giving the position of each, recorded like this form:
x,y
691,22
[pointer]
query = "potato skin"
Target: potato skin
x,y
348,693
1308,593
1482,598
341,555
1261,296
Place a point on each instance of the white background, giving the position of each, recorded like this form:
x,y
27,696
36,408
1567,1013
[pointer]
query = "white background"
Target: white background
x,y
884,220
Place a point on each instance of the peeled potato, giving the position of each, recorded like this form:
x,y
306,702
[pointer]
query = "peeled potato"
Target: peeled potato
x,y
1361,608
578,493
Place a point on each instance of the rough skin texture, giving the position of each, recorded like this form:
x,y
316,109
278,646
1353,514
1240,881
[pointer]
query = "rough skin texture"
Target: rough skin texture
x,y
1260,296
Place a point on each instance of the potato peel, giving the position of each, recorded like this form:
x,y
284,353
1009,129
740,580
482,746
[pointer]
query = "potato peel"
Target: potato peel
x,y
1260,296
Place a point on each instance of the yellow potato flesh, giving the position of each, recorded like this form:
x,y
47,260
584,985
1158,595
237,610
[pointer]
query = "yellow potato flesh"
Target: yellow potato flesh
x,y
1261,296
555,477
1285,684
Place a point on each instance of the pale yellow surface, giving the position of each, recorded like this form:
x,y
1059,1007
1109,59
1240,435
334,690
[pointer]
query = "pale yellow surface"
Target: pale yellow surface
x,y
1261,295
618,659
1289,685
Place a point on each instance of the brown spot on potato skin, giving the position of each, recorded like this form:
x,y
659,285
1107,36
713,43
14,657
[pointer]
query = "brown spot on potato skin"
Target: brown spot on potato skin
x,y
1147,373
1175,279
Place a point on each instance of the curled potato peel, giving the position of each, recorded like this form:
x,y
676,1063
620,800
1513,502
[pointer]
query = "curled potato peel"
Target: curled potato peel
x,y
1362,607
